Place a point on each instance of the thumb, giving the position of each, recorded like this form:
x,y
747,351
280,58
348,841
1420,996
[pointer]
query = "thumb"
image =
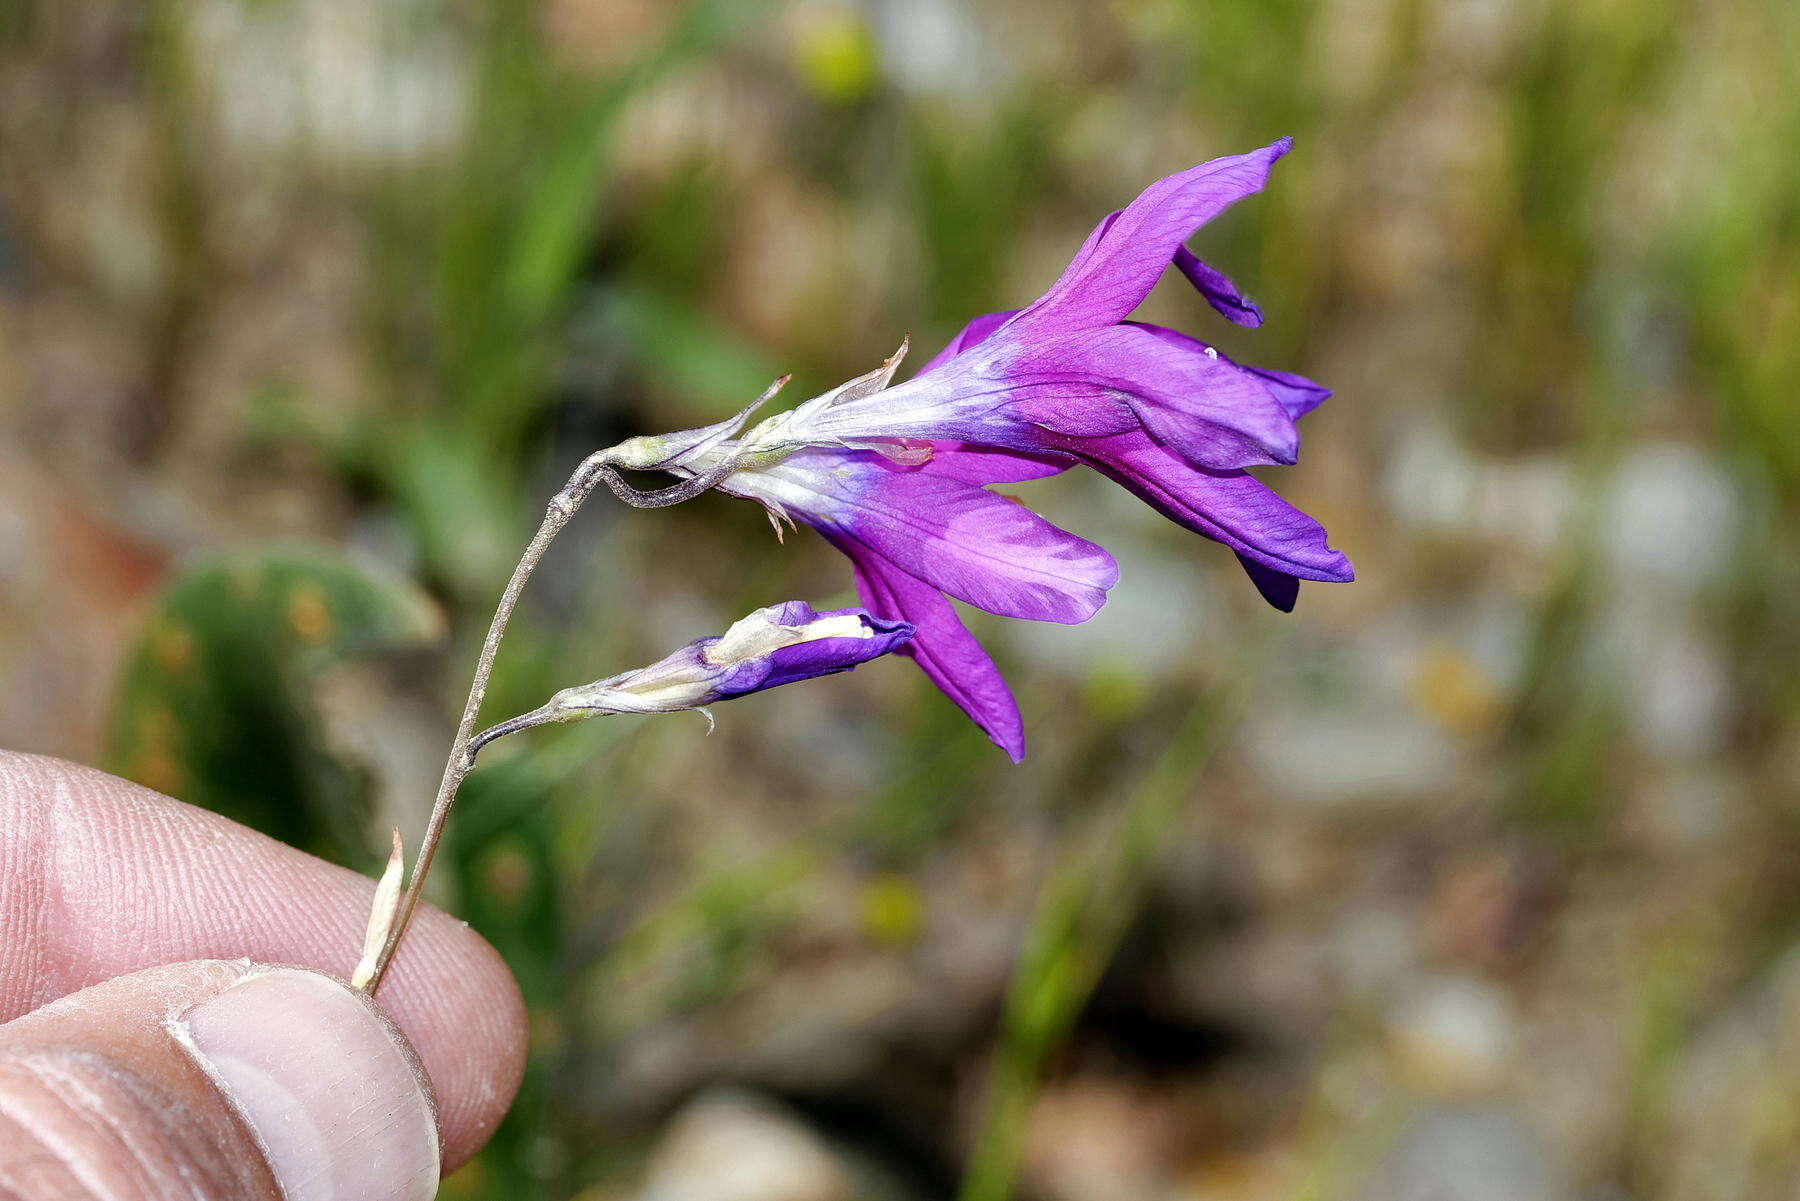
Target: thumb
x,y
221,1081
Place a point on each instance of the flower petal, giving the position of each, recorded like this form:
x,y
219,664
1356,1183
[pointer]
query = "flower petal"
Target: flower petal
x,y
1277,587
1231,507
976,545
823,656
776,645
985,465
1124,256
1295,393
1002,392
973,334
941,645
1212,413
1219,291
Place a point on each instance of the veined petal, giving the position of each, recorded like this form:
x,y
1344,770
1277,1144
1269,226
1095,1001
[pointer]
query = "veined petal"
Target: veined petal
x,y
985,465
1212,413
1231,507
1003,392
1124,256
941,645
1296,394
977,546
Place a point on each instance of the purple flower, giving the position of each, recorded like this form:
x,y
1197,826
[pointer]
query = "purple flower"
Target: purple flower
x,y
781,644
1069,367
896,477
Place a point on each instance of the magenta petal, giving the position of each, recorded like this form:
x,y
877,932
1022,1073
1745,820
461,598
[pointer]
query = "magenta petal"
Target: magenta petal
x,y
1211,412
1295,393
973,334
941,645
1231,507
984,465
1219,291
977,546
1124,257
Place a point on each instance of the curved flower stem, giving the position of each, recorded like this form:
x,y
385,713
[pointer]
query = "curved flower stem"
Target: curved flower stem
x,y
674,494
512,725
462,754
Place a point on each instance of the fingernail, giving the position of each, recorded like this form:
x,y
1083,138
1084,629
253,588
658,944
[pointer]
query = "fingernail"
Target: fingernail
x,y
330,1093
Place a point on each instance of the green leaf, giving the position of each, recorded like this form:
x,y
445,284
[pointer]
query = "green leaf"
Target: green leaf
x,y
216,704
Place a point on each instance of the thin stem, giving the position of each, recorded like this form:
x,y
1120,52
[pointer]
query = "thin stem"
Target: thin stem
x,y
462,756
463,749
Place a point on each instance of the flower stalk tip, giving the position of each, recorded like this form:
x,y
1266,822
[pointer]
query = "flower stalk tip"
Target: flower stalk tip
x,y
383,912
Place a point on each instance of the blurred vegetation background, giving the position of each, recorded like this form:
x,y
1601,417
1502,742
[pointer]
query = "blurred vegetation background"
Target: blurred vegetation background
x,y
1477,879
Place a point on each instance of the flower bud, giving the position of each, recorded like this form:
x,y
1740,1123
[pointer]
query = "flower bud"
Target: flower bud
x,y
778,645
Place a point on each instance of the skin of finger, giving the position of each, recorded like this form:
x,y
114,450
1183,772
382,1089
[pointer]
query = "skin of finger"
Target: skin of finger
x,y
98,1098
99,877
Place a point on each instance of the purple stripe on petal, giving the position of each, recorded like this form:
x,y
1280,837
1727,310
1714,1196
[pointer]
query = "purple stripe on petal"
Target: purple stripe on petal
x,y
941,645
746,677
1219,291
1123,258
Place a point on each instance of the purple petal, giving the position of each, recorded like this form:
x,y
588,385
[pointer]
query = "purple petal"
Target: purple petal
x,y
984,465
828,655
973,334
941,645
1124,256
1277,587
1102,382
799,613
1231,507
1211,283
976,545
1219,291
808,660
1005,393
1295,393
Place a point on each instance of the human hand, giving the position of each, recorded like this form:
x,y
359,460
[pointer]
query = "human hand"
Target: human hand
x,y
149,1051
